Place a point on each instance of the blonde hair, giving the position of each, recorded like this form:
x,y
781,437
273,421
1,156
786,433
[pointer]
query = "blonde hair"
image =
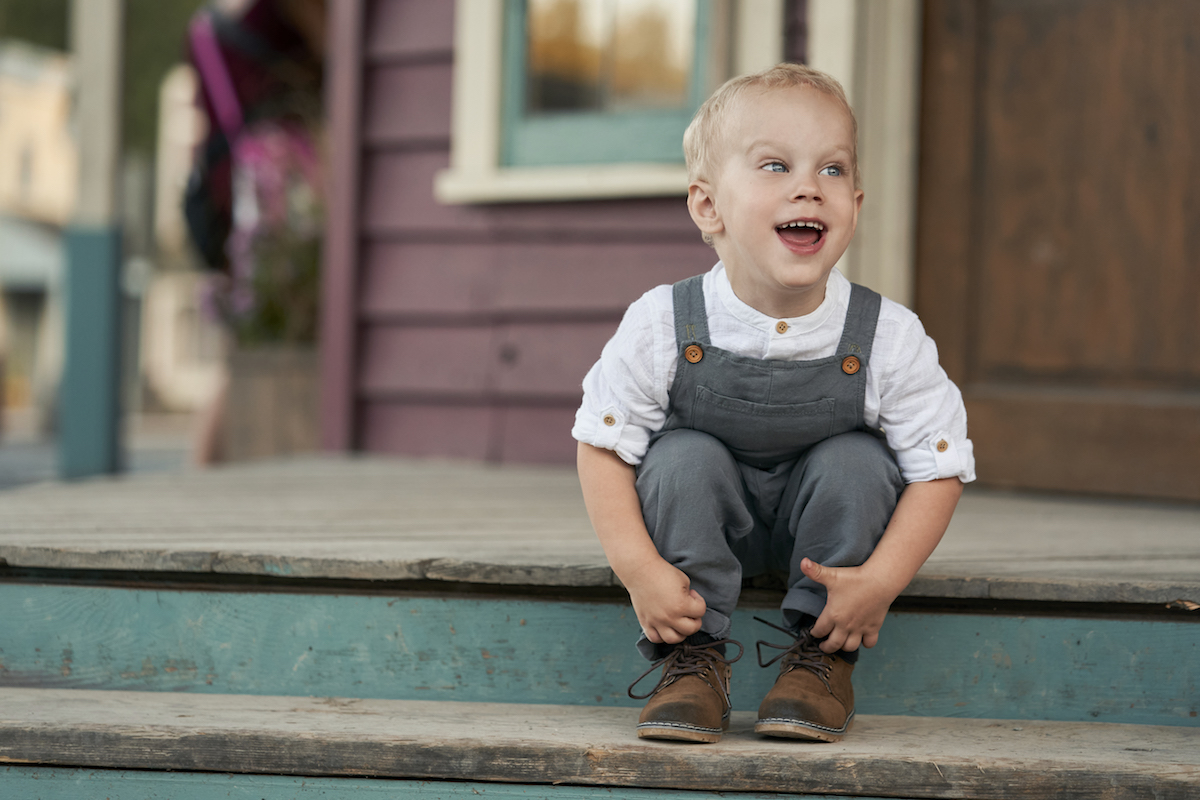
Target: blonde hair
x,y
704,137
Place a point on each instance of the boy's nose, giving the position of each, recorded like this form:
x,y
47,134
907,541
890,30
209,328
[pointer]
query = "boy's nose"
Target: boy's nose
x,y
806,189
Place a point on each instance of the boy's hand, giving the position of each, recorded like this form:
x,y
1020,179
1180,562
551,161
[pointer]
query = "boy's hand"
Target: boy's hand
x,y
859,597
855,609
667,608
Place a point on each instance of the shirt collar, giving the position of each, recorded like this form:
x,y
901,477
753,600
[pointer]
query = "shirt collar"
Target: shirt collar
x,y
836,288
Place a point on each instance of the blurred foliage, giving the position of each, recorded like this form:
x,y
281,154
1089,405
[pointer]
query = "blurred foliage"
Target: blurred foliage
x,y
154,42
40,22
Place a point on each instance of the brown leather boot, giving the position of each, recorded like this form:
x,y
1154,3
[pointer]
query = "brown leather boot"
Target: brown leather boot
x,y
812,698
691,701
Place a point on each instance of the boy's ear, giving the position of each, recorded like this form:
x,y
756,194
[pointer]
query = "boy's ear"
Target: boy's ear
x,y
858,201
702,206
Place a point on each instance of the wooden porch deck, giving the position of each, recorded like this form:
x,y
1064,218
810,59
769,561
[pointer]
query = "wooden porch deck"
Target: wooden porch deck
x,y
364,518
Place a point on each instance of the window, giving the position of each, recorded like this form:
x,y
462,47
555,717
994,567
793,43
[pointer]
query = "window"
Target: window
x,y
566,99
601,81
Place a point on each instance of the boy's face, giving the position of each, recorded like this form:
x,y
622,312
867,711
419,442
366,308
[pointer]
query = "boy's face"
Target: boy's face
x,y
786,160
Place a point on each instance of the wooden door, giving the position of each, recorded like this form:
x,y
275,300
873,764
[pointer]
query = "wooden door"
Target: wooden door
x,y
1058,261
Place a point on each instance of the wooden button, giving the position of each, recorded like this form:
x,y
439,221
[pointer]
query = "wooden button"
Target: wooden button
x,y
610,420
851,365
693,353
781,327
943,446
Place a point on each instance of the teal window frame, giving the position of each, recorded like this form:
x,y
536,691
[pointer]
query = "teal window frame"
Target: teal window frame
x,y
592,137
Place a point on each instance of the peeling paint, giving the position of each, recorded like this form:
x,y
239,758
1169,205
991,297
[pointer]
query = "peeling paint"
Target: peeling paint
x,y
148,671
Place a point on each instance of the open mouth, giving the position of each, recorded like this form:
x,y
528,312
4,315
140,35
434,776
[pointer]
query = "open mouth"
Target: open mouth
x,y
801,232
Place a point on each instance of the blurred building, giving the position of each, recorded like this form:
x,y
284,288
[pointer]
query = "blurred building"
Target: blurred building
x,y
38,166
38,157
173,353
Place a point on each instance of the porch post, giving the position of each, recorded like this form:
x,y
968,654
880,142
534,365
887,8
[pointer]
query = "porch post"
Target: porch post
x,y
89,406
339,292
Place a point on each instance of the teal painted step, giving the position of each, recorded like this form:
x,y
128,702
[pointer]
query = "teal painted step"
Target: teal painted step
x,y
50,783
536,651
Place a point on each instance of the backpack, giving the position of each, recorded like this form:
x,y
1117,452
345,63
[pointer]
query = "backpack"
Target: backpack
x,y
253,202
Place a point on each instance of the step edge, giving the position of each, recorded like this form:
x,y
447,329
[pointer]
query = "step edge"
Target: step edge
x,y
739,765
933,582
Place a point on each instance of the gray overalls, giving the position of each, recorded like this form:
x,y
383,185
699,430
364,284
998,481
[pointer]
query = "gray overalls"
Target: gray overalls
x,y
762,463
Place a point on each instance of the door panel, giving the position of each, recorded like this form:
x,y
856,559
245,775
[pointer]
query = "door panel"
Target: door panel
x,y
1059,237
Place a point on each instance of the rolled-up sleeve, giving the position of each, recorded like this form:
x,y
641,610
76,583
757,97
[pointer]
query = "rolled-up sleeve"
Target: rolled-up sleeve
x,y
921,410
624,400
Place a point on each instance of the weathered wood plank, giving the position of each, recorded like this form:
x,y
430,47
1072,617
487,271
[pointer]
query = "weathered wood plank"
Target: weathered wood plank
x,y
428,429
398,200
947,225
1160,434
362,518
408,104
403,645
451,360
538,435
513,278
902,756
64,783
482,361
549,358
271,404
409,29
473,427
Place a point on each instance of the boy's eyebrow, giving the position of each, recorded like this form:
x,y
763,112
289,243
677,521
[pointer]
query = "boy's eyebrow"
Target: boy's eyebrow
x,y
761,144
768,144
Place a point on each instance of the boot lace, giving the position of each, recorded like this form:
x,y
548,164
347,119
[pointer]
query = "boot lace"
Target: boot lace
x,y
803,653
688,659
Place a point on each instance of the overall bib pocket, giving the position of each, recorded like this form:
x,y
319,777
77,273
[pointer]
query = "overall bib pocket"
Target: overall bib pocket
x,y
763,433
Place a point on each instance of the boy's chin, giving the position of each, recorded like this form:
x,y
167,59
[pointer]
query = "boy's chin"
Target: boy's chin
x,y
784,296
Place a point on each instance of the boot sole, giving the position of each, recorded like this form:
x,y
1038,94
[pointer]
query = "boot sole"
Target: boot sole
x,y
678,733
797,729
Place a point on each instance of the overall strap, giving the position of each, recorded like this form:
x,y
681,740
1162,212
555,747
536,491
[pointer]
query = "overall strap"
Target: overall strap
x,y
691,318
862,316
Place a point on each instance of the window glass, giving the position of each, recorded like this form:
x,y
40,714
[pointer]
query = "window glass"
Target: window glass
x,y
608,55
600,81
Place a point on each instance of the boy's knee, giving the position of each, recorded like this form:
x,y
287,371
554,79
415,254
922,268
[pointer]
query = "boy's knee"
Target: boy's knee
x,y
686,458
690,474
854,459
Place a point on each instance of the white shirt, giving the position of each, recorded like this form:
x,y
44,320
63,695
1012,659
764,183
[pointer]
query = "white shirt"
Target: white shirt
x,y
626,393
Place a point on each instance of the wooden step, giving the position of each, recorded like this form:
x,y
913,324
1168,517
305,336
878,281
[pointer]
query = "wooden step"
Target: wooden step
x,y
590,746
400,579
382,519
524,649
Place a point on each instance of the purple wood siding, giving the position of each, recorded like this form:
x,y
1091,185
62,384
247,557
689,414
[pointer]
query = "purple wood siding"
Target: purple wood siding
x,y
472,325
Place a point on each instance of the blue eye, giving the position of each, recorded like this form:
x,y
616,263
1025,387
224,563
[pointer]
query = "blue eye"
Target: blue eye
x,y
833,170
775,166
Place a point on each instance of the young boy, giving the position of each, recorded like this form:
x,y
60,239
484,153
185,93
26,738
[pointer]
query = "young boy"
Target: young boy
x,y
768,416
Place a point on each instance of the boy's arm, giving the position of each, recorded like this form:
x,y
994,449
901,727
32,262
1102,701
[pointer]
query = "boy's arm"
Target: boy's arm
x,y
667,608
859,597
